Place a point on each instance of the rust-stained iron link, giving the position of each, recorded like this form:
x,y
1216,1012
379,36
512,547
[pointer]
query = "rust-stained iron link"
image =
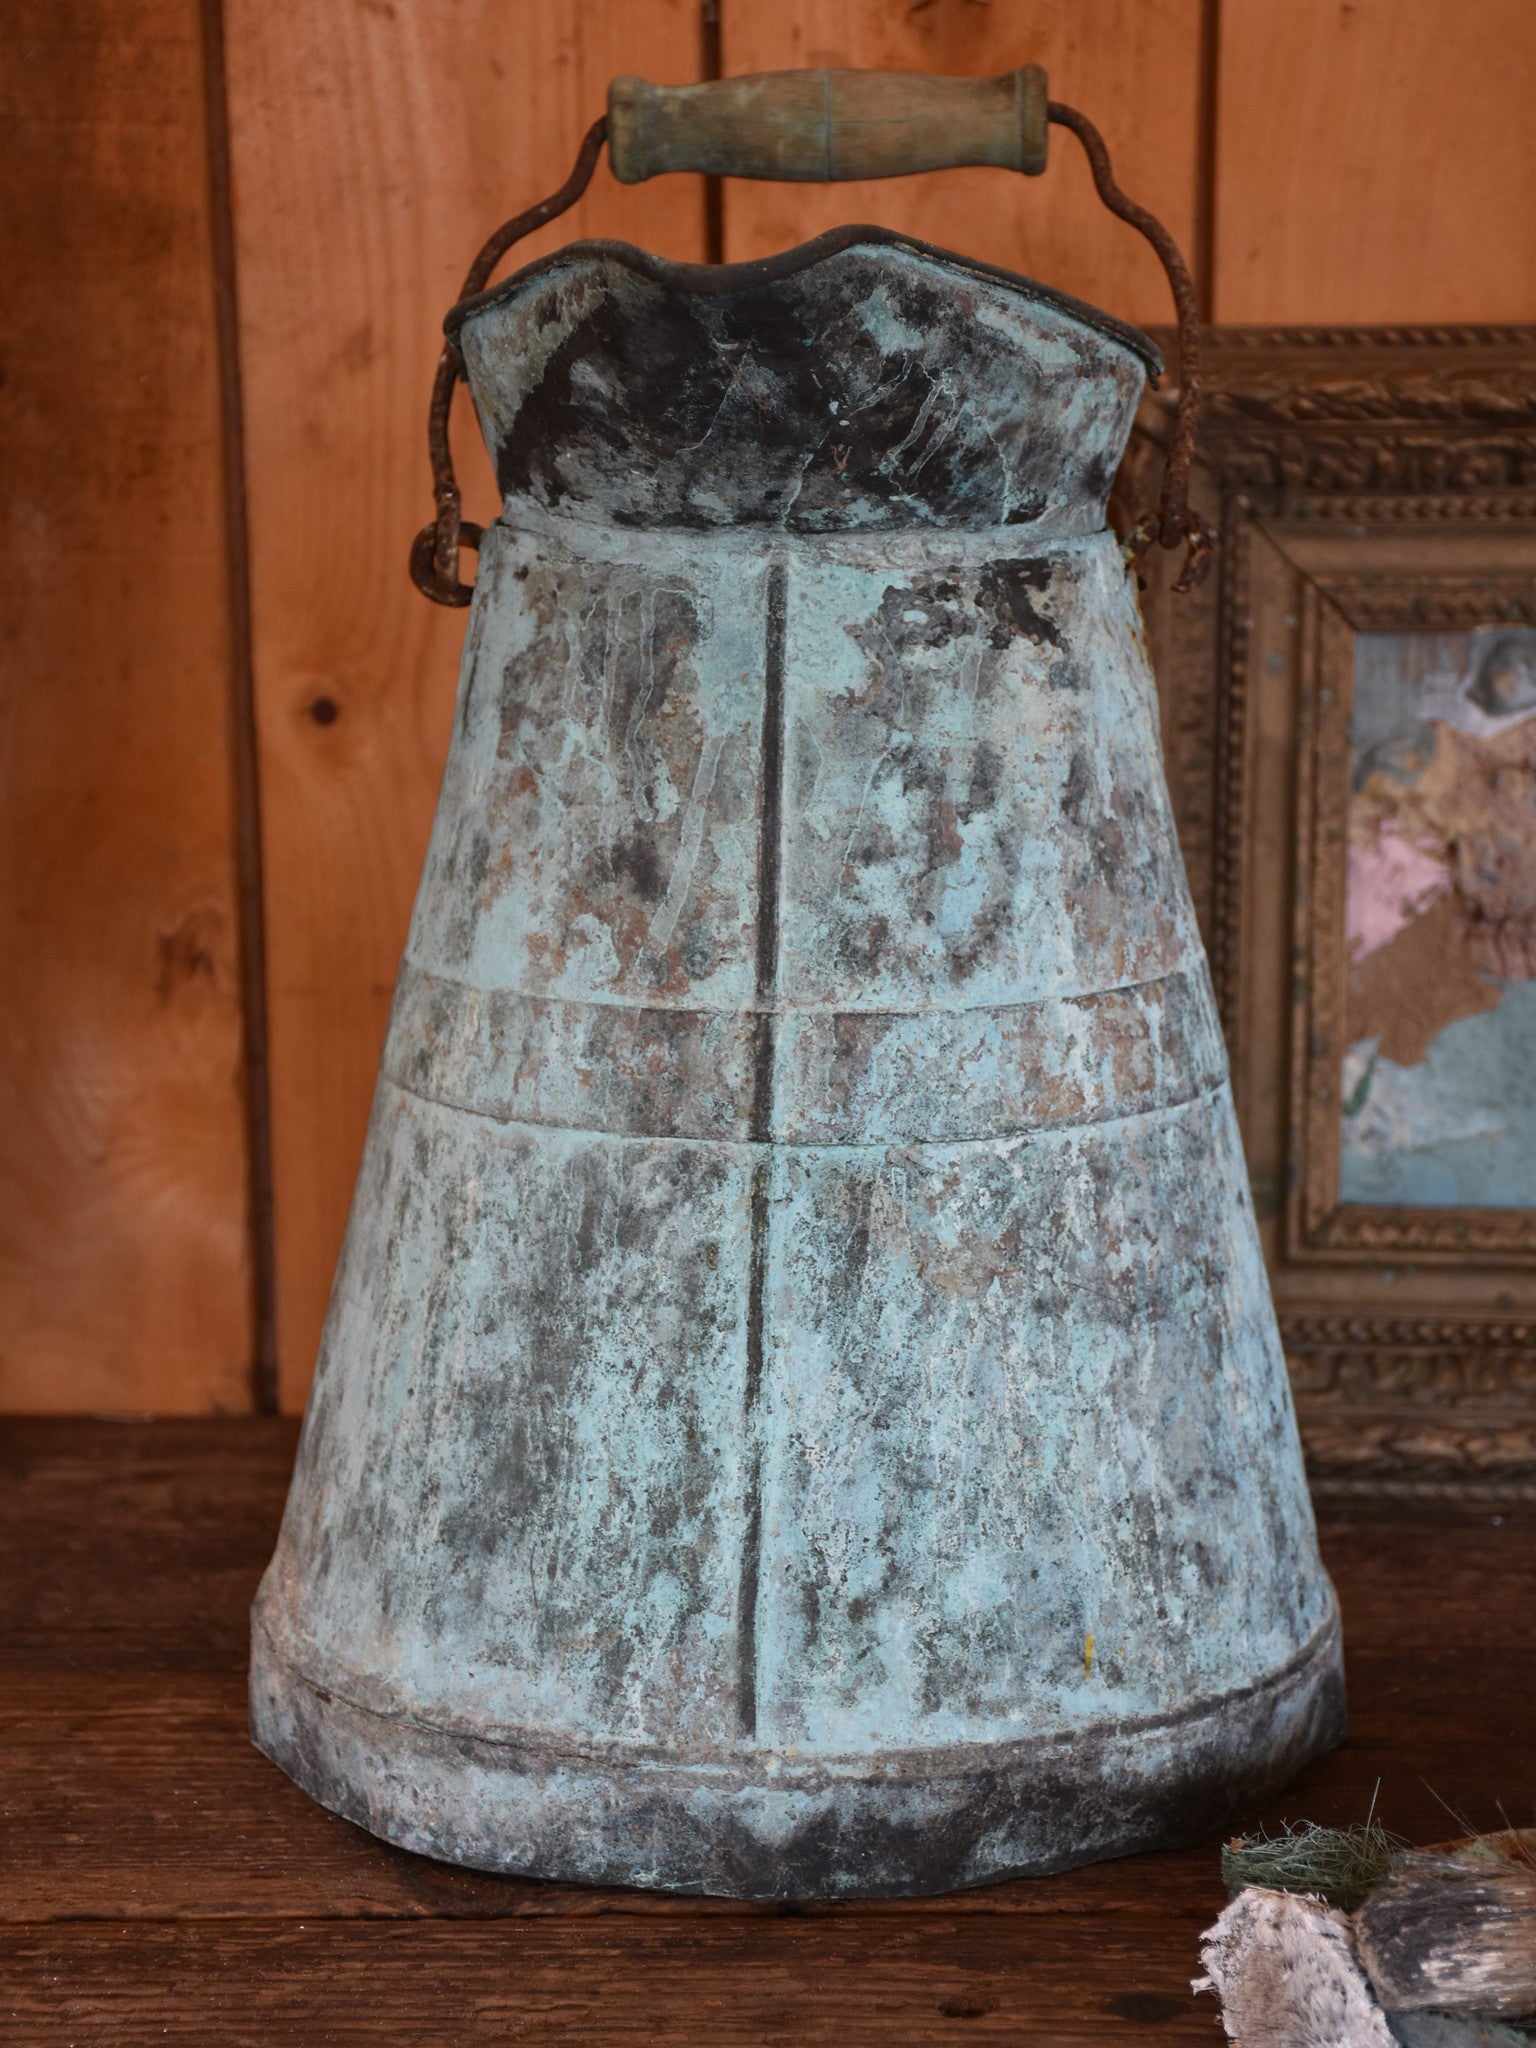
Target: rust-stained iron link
x,y
1175,519
435,550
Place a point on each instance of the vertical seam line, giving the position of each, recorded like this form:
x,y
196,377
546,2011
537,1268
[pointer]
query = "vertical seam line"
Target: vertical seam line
x,y
769,862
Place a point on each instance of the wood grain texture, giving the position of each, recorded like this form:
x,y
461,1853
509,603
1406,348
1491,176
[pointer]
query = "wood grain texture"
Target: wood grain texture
x,y
1441,1934
1376,162
124,1279
128,1789
138,1795
374,148
161,1881
128,1547
1132,66
925,1981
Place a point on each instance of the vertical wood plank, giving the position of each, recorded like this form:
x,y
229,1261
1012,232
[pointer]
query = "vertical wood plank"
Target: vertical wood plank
x,y
124,1277
1376,162
375,145
1132,66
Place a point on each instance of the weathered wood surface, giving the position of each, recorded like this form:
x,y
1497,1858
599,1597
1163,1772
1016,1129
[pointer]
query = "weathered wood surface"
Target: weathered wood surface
x,y
1285,1972
1444,1934
374,150
140,1797
1132,66
925,1982
128,1547
124,1257
1375,162
164,1883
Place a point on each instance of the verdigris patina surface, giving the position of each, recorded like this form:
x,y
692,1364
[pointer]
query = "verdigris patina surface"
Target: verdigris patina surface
x,y
800,1412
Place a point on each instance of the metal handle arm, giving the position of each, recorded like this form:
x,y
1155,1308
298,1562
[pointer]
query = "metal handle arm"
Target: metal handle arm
x,y
863,125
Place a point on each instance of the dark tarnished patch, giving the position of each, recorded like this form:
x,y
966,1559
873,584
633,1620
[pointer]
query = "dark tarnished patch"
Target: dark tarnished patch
x,y
861,393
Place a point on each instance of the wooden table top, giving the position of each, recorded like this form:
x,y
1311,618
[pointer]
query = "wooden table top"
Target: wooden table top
x,y
163,1883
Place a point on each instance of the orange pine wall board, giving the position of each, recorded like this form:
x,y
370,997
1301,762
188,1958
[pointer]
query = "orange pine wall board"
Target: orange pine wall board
x,y
1376,162
1132,66
374,149
124,1226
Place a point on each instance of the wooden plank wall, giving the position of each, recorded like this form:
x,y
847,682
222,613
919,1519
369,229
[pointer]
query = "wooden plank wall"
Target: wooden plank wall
x,y
124,1225
1376,162
1350,161
374,148
1133,66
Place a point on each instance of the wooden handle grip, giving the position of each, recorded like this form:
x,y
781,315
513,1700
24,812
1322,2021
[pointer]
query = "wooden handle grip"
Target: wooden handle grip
x,y
819,126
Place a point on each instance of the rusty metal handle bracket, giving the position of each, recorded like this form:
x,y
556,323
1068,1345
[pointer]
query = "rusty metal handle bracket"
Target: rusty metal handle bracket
x,y
435,550
1174,519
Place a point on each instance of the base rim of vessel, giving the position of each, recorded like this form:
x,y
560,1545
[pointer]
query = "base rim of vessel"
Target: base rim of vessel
x,y
902,1827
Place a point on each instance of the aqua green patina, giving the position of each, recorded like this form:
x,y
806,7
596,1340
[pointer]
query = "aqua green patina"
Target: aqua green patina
x,y
801,1412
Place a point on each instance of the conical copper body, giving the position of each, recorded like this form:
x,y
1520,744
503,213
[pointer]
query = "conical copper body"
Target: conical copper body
x,y
801,1411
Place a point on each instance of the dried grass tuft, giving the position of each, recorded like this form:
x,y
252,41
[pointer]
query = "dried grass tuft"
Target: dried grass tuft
x,y
1337,1865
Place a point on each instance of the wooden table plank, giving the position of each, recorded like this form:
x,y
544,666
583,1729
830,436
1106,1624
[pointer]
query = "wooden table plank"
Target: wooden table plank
x,y
1415,1577
134,1546
845,1978
140,1797
163,1882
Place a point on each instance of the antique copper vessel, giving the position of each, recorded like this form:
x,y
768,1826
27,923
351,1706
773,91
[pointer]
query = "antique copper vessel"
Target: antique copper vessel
x,y
801,1412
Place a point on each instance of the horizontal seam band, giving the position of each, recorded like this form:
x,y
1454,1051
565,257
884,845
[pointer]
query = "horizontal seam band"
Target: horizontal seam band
x,y
791,1009
614,1750
1011,1138
1050,535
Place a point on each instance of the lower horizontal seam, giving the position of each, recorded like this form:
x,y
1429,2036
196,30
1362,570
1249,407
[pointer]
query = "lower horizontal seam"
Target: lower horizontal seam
x,y
1009,1137
612,1750
743,1012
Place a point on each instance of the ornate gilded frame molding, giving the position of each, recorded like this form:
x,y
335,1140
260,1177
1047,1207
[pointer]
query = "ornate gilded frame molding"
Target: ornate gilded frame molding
x,y
1360,481
1337,602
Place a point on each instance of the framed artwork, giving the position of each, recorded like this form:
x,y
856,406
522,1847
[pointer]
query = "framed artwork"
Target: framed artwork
x,y
1350,728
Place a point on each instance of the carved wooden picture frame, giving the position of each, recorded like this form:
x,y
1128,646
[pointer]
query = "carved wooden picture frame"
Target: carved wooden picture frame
x,y
1390,585
1375,497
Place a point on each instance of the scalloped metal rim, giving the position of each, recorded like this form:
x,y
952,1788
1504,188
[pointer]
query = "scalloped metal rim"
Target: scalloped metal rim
x,y
718,278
